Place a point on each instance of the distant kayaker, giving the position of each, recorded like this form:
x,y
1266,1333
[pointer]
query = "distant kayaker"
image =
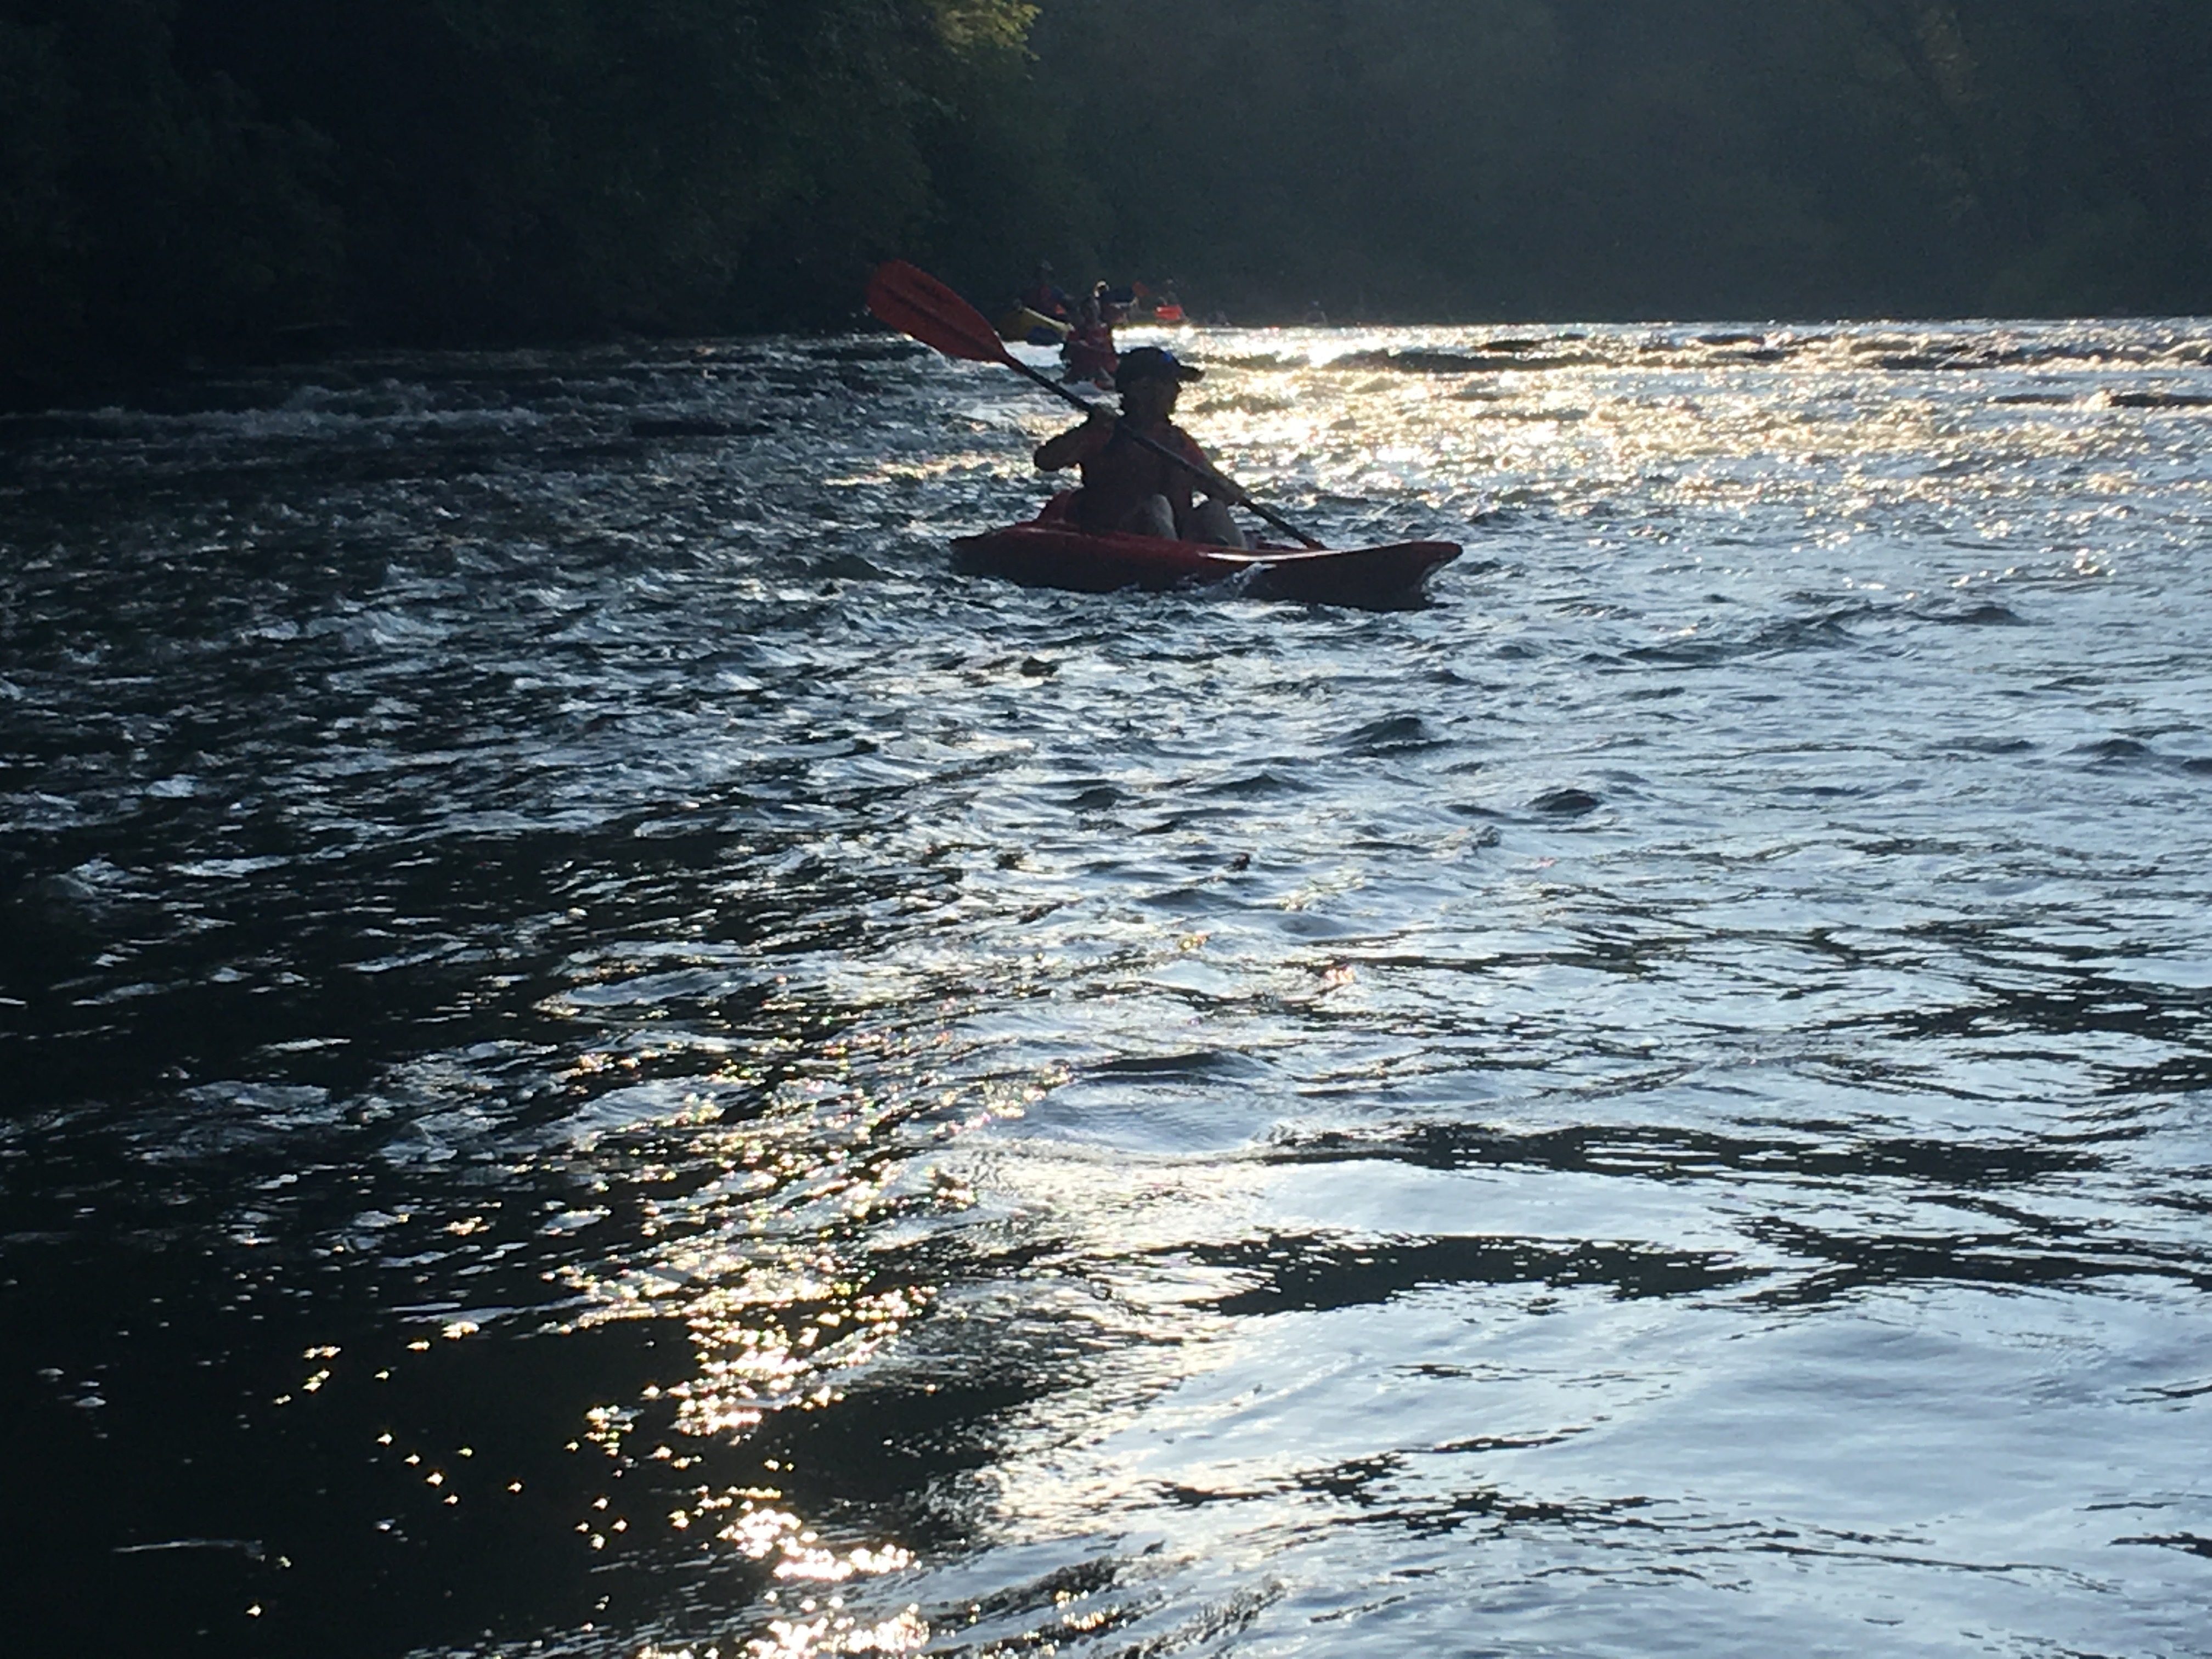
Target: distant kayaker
x,y
1089,349
1044,296
1114,303
1127,488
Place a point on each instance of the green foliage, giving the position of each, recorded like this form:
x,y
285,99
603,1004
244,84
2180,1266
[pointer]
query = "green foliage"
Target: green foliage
x,y
142,215
39,235
206,173
1507,158
189,175
2083,129
971,26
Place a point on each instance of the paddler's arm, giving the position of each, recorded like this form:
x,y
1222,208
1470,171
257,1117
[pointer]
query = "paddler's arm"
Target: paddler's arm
x,y
1078,444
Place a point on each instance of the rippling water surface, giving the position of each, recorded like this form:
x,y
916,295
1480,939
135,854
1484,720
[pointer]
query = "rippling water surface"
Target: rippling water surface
x,y
602,1058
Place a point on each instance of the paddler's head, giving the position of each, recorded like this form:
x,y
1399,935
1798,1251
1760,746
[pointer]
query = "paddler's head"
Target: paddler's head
x,y
1149,381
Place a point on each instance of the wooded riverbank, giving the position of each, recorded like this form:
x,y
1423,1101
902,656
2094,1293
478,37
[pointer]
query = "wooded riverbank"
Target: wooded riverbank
x,y
226,177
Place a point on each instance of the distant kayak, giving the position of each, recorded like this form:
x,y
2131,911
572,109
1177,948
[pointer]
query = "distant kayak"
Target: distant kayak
x,y
1051,551
1033,327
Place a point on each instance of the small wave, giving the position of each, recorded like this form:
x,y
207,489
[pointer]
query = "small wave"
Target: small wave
x,y
1668,1153
1265,782
1825,632
1410,361
2128,751
851,566
2157,400
1986,614
2117,748
1195,1066
1566,803
1992,745
695,426
2188,1542
1313,1273
1389,736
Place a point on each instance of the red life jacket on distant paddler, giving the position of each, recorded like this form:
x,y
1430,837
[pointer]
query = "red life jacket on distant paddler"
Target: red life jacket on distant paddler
x,y
1090,354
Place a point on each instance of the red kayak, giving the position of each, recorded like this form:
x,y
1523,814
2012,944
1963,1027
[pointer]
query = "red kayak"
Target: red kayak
x,y
1051,551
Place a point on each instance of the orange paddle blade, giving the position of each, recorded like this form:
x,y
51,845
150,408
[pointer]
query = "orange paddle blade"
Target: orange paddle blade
x,y
915,302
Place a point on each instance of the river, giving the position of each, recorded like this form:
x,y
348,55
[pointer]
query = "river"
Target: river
x,y
604,1058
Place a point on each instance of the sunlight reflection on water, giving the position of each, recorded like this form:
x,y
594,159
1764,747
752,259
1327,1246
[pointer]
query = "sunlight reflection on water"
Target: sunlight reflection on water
x,y
793,1105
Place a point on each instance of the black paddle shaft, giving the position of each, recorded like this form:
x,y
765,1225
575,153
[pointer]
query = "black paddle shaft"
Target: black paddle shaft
x,y
1161,450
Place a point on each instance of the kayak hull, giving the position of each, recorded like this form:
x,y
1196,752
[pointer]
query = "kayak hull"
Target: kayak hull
x,y
1033,327
1051,551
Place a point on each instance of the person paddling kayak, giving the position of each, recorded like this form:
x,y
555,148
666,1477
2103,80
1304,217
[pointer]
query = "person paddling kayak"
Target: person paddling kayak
x,y
1127,488
1044,296
1089,351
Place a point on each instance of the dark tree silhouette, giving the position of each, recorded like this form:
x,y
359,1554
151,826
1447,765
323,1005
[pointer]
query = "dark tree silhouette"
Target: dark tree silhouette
x,y
183,176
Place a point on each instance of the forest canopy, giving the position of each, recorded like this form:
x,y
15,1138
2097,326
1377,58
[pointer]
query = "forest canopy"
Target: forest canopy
x,y
182,176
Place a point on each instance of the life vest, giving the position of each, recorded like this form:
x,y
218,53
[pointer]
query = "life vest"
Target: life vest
x,y
1121,472
1090,354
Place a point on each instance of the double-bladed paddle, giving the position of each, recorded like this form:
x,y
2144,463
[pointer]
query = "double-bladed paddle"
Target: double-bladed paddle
x,y
915,302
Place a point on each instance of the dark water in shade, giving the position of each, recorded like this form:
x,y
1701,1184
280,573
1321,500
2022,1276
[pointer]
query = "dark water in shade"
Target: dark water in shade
x,y
603,1059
